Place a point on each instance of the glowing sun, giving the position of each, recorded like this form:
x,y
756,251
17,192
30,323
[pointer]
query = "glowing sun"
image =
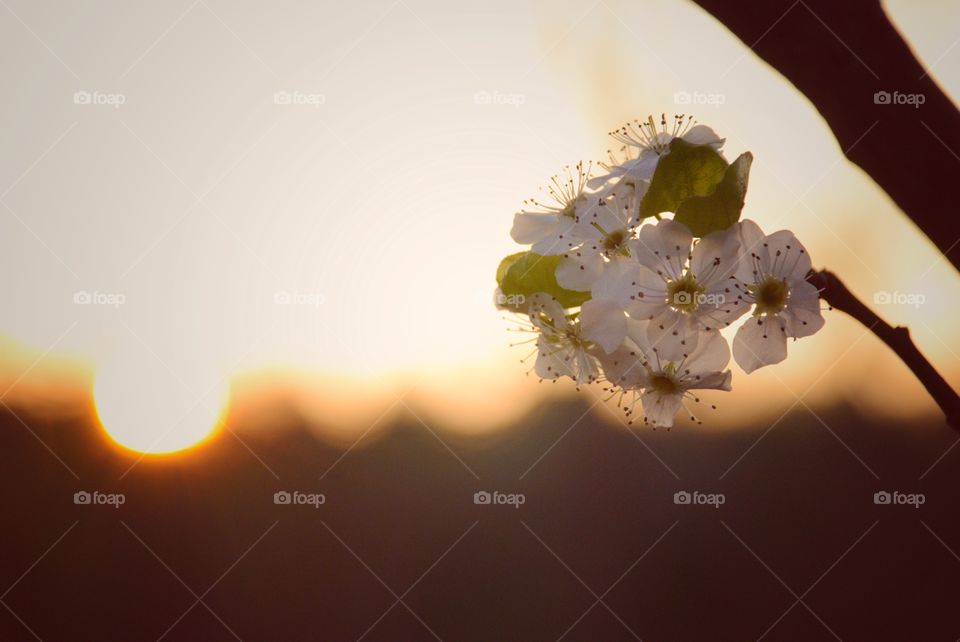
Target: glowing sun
x,y
147,406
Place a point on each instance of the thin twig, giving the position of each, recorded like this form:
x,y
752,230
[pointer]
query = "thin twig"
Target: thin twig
x,y
835,293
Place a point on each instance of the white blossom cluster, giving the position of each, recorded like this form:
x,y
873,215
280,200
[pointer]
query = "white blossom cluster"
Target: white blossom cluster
x,y
658,296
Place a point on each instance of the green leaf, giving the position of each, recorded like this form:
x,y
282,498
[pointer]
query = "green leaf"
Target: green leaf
x,y
687,171
505,265
720,209
525,273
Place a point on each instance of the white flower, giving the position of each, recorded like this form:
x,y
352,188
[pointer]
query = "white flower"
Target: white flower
x,y
682,292
549,225
604,227
644,145
662,386
561,349
772,272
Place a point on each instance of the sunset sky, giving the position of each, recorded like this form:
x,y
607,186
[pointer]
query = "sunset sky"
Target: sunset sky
x,y
242,199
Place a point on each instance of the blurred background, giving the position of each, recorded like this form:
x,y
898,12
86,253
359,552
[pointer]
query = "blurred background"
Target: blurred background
x,y
264,238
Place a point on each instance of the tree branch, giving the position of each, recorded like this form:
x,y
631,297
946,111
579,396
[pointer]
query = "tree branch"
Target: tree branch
x,y
835,293
840,53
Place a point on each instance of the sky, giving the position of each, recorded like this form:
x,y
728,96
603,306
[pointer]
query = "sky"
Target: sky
x,y
309,201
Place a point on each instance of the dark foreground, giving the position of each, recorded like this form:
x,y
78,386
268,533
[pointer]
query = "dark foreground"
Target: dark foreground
x,y
400,551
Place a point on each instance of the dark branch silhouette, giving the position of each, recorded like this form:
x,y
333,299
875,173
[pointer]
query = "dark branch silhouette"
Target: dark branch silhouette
x,y
834,292
840,53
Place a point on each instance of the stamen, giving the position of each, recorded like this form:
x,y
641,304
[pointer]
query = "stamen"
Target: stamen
x,y
646,136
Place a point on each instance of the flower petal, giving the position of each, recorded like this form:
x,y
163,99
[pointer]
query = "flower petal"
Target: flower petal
x,y
553,361
703,135
543,304
714,381
715,258
547,232
802,314
712,354
586,368
663,247
660,409
721,306
625,367
672,335
637,334
643,167
560,239
579,269
751,248
530,227
604,323
788,258
761,341
611,214
633,287
648,295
